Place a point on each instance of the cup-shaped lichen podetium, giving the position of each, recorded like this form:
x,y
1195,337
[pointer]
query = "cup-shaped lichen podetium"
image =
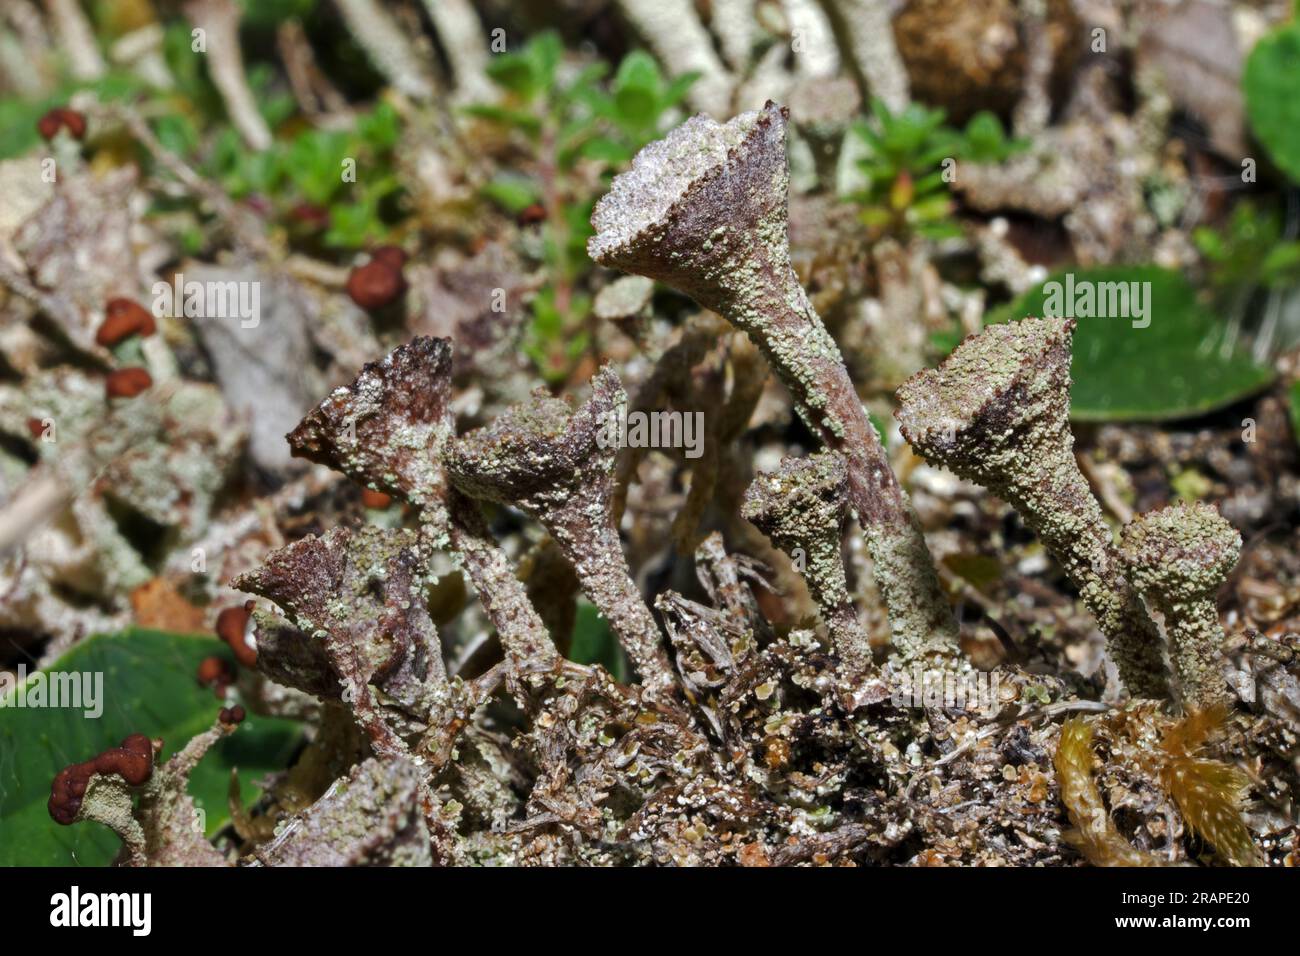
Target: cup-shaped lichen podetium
x,y
704,210
803,507
996,412
555,465
1179,557
387,430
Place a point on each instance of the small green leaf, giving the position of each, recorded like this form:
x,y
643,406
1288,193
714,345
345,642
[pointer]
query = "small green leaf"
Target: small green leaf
x,y
514,72
149,687
512,193
638,71
594,643
1175,367
526,122
1269,83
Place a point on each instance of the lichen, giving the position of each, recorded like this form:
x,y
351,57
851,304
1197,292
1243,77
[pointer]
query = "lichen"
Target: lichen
x,y
996,412
1179,557
555,464
704,211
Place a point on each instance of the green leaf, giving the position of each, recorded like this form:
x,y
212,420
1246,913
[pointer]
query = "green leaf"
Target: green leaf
x,y
607,150
512,193
639,71
525,122
1175,367
545,51
266,14
513,71
594,643
379,129
678,89
1269,83
1282,263
149,687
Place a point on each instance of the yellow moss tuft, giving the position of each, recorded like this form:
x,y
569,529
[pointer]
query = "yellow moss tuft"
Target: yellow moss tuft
x,y
1096,835
1209,793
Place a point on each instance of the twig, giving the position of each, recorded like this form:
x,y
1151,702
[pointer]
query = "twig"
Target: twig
x,y
242,222
464,43
220,20
1034,109
315,94
77,39
386,47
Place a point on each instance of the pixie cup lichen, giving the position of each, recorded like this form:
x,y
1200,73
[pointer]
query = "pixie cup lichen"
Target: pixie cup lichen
x,y
996,412
552,463
1178,558
387,430
803,507
704,211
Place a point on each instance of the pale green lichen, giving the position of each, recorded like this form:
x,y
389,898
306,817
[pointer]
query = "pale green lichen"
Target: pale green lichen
x,y
1179,557
704,211
803,507
554,464
996,412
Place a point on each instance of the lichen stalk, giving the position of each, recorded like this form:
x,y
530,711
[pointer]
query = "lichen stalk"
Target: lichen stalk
x,y
704,211
802,507
996,412
1179,557
552,464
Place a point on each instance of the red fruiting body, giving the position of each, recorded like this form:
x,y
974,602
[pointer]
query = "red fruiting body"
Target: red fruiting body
x,y
127,382
376,284
311,215
48,125
73,122
37,428
530,215
375,499
217,673
122,319
392,256
259,204
230,716
231,624
132,761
